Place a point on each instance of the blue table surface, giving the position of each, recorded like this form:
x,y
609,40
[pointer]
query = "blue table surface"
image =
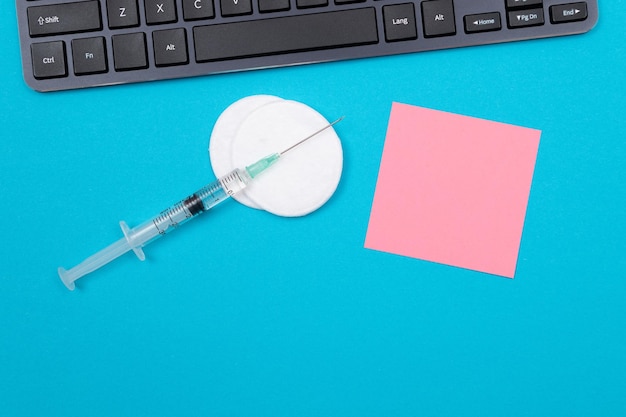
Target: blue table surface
x,y
241,313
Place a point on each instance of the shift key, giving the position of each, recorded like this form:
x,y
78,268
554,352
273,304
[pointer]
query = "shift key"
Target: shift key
x,y
62,18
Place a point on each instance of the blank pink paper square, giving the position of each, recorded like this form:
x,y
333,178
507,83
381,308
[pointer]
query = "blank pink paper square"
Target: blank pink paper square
x,y
453,189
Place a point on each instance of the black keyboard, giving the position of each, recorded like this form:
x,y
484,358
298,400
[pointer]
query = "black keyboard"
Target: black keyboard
x,y
69,44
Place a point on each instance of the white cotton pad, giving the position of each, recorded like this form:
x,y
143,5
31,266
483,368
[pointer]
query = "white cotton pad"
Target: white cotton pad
x,y
223,134
304,178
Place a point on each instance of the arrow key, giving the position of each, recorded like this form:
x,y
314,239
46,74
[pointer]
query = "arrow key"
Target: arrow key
x,y
565,13
483,22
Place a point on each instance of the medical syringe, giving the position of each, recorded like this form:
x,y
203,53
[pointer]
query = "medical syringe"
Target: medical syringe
x,y
202,200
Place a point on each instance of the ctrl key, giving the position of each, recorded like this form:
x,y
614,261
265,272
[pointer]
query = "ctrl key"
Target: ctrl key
x,y
49,59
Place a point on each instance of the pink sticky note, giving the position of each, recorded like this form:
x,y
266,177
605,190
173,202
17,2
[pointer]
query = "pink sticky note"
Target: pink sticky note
x,y
453,189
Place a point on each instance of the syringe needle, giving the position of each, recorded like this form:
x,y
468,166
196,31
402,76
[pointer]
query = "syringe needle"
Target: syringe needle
x,y
311,135
264,163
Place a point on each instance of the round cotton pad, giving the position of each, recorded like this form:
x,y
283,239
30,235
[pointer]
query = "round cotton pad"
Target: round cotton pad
x,y
304,178
223,134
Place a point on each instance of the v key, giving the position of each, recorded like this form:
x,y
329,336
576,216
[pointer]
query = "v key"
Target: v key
x,y
236,7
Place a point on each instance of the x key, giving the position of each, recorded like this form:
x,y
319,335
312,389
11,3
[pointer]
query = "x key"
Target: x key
x,y
160,11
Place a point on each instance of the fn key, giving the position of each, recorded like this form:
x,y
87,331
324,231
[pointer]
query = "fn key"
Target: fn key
x,y
89,56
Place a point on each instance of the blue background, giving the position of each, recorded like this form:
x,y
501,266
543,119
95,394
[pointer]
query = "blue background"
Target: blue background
x,y
241,313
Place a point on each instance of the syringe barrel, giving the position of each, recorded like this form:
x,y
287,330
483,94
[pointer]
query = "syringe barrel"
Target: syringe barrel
x,y
202,200
225,187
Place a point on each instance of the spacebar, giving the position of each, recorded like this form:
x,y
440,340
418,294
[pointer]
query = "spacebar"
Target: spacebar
x,y
285,34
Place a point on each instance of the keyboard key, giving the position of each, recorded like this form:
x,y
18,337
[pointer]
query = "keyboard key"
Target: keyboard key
x,y
285,34
511,4
236,7
525,18
273,5
129,51
63,18
305,4
348,1
49,59
564,13
89,56
122,13
170,47
483,22
399,20
438,17
198,9
160,11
